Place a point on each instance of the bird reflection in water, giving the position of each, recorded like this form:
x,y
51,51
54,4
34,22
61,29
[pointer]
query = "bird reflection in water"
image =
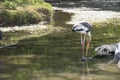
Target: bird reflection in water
x,y
86,74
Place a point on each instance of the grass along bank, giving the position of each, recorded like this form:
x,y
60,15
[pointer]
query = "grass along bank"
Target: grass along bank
x,y
18,12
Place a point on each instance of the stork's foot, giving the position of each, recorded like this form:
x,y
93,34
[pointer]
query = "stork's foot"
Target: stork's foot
x,y
85,59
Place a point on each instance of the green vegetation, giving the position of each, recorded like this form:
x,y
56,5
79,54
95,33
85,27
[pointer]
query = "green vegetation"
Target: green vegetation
x,y
24,11
110,29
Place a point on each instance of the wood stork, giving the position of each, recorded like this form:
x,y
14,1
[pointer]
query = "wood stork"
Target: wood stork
x,y
84,28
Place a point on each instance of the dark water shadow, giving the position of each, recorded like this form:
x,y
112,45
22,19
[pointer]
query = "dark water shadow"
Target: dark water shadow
x,y
61,18
101,5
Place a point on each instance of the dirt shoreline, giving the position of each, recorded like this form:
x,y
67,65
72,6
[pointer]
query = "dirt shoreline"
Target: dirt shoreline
x,y
29,28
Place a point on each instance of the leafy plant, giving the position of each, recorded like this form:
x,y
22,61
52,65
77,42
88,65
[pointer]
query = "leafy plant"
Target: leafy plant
x,y
10,5
20,12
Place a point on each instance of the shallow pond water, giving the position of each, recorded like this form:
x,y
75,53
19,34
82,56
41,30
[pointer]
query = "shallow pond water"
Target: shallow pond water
x,y
56,55
99,69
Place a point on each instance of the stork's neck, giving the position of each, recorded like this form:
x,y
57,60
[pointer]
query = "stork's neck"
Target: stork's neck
x,y
117,49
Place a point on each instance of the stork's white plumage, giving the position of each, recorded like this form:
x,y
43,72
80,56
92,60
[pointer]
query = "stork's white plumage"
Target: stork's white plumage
x,y
84,29
117,54
117,49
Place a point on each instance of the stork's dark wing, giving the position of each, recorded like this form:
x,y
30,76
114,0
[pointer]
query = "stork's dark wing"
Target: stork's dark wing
x,y
86,25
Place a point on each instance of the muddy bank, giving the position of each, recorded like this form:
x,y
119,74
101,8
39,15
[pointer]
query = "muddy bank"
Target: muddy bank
x,y
28,28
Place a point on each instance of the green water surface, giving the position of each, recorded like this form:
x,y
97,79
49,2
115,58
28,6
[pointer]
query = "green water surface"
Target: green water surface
x,y
56,56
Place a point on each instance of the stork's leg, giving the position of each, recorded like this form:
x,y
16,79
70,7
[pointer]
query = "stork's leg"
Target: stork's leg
x,y
83,45
87,47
